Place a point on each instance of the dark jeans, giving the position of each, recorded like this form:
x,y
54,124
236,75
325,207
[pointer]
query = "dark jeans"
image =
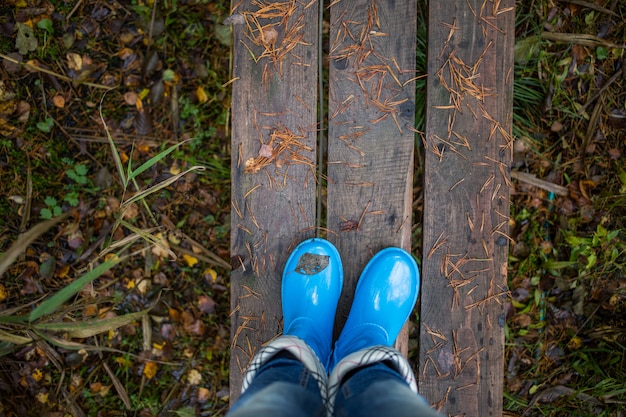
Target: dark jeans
x,y
283,387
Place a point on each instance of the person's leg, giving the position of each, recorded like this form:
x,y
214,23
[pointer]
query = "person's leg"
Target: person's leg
x,y
288,377
369,377
379,390
283,386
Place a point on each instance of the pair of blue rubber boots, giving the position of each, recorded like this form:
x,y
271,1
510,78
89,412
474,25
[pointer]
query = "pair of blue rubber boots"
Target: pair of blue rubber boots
x,y
312,282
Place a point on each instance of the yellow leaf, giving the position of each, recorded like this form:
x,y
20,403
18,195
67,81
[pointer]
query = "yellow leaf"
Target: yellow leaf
x,y
175,169
190,260
37,374
201,94
104,390
150,370
575,343
62,271
42,397
111,257
144,93
174,314
122,361
210,272
3,293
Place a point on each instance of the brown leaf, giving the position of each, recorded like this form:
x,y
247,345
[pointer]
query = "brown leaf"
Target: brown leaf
x,y
204,395
143,122
206,304
191,324
150,64
556,126
168,331
11,66
29,285
23,111
59,101
266,151
89,27
157,93
130,98
75,239
269,36
523,320
614,153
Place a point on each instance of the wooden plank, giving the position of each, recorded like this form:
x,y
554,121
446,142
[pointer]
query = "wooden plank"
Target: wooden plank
x,y
466,205
370,133
274,136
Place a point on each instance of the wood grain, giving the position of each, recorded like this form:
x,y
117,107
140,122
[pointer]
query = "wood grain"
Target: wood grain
x,y
466,205
274,142
370,133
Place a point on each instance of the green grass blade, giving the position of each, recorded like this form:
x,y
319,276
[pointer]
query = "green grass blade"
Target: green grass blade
x,y
84,329
53,303
116,154
555,265
163,184
128,240
25,239
71,345
148,237
12,320
13,338
150,162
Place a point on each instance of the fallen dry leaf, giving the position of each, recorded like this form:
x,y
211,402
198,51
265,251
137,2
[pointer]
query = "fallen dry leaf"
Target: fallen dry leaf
x,y
130,98
194,377
74,61
190,260
201,95
206,304
204,395
58,101
150,370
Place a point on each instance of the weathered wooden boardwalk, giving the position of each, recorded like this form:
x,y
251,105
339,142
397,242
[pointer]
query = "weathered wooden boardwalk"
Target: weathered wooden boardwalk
x,y
366,178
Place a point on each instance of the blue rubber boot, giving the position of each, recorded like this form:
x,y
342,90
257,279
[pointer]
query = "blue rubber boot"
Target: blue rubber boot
x,y
385,296
312,283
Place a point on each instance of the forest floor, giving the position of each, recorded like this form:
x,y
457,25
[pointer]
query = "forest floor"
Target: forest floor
x,y
115,216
